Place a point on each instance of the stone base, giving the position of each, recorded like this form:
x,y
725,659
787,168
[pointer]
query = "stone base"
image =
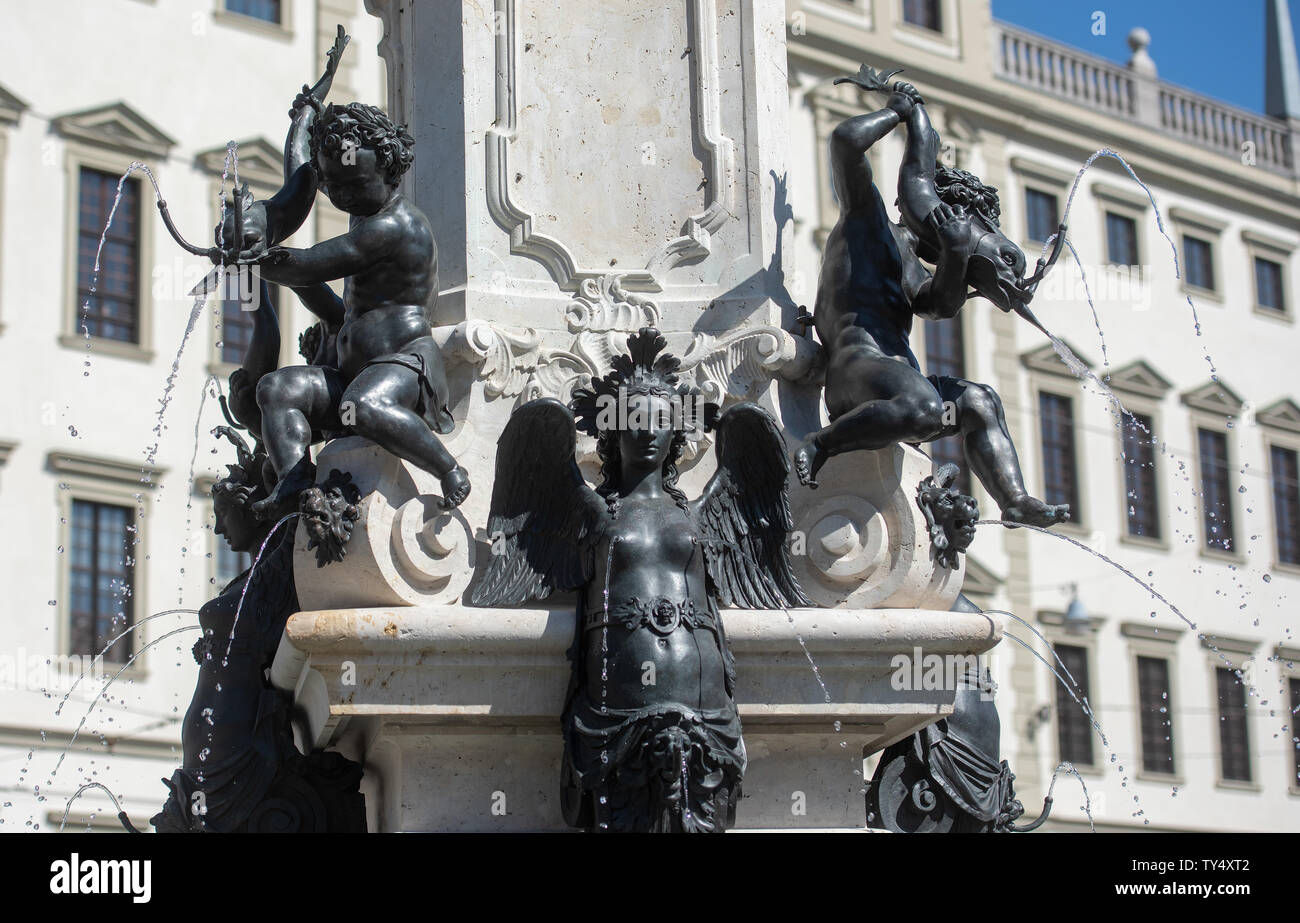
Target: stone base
x,y
454,711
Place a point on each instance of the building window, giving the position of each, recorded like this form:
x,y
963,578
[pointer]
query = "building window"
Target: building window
x,y
945,354
1121,240
1294,685
101,579
1199,257
1156,711
1142,506
1040,215
923,13
1060,468
1286,502
1268,285
1216,498
112,311
1073,730
265,10
1234,737
237,327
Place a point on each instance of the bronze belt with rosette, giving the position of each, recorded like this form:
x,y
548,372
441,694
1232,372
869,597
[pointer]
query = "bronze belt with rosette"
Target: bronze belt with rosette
x,y
660,614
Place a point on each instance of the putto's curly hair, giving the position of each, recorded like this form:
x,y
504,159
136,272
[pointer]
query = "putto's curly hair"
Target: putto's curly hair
x,y
356,126
962,188
644,369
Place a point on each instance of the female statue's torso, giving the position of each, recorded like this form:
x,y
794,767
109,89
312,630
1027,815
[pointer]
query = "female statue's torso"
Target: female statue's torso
x,y
652,562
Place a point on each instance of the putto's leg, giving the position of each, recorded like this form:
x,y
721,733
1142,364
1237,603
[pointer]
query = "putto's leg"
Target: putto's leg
x,y
380,405
295,401
899,405
992,455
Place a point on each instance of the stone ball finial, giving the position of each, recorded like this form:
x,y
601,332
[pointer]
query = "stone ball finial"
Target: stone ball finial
x,y
1139,39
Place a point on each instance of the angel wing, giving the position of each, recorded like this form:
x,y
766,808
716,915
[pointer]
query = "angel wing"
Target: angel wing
x,y
543,515
744,513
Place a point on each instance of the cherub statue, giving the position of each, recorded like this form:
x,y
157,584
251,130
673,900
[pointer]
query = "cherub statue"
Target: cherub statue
x,y
874,281
652,736
382,376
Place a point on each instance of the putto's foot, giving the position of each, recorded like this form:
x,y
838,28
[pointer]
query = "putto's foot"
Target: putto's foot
x,y
283,500
1034,512
808,460
455,488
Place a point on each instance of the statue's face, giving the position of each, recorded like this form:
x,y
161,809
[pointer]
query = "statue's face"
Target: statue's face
x,y
997,269
237,525
353,180
648,435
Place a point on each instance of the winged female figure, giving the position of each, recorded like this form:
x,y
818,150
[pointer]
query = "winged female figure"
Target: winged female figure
x,y
652,735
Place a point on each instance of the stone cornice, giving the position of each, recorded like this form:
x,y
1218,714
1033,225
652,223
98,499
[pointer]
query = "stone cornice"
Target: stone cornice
x,y
11,107
261,163
117,126
105,469
1230,645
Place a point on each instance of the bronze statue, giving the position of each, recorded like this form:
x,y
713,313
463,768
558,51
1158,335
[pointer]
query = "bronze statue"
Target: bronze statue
x,y
652,736
378,372
949,776
241,770
874,281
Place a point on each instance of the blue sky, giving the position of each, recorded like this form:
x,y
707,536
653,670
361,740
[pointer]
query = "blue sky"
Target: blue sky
x,y
1215,47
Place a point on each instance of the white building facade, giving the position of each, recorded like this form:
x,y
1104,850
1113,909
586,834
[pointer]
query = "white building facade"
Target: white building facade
x,y
105,503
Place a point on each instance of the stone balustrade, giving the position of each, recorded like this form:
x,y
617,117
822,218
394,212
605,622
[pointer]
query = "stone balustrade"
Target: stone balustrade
x,y
1095,83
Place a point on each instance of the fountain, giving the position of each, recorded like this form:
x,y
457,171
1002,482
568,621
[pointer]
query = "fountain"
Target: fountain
x,y
401,663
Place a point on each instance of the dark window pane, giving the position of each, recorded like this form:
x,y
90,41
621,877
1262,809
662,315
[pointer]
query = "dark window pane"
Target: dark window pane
x,y
923,13
1156,711
1041,214
1142,507
945,354
1216,498
1200,262
268,10
100,578
1121,240
112,311
1286,503
1268,284
1294,685
1234,738
1073,730
237,327
1060,468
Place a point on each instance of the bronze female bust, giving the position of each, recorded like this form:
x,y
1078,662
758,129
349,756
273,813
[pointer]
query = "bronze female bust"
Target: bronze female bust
x,y
652,735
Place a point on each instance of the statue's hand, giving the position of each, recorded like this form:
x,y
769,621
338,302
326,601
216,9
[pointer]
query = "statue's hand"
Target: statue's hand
x,y
304,98
253,236
952,227
904,99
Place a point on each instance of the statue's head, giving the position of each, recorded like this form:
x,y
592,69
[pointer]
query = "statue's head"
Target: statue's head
x,y
329,511
641,413
996,268
359,155
234,495
952,514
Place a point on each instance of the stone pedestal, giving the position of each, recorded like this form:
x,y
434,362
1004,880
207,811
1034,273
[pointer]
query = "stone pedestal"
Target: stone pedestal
x,y
454,711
